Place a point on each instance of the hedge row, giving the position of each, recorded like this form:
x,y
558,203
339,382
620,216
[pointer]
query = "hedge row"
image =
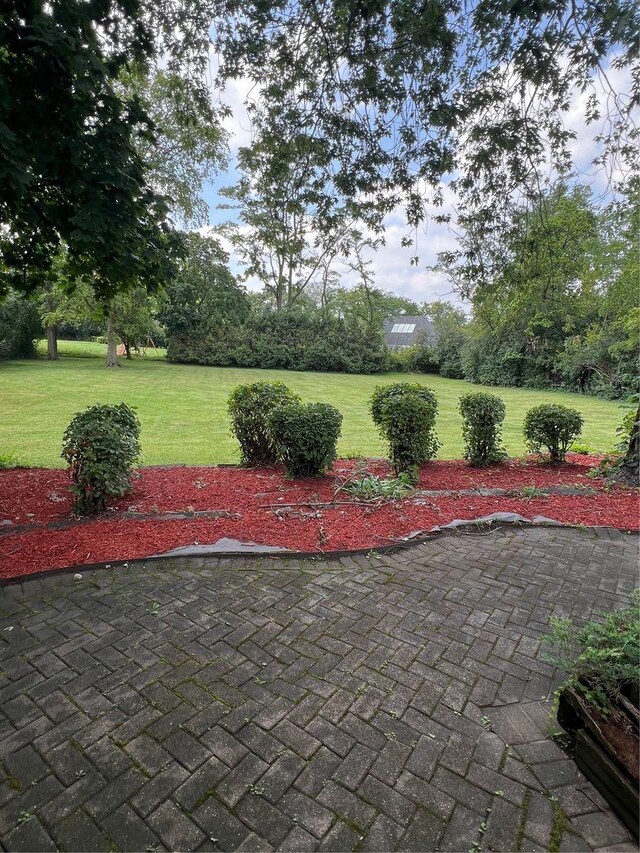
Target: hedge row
x,y
102,444
271,424
289,340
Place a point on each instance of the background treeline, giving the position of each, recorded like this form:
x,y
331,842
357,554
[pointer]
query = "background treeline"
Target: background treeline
x,y
560,310
562,306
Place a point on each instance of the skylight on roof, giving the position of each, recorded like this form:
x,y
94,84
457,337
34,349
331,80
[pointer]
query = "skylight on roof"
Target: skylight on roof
x,y
403,328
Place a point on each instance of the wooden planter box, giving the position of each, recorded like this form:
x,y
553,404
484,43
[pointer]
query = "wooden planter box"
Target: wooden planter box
x,y
606,751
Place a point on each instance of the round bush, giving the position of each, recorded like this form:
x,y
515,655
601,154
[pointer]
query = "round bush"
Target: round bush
x,y
405,415
249,407
306,435
552,427
482,416
384,393
101,446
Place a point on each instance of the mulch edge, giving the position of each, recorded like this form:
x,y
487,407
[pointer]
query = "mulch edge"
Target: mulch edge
x,y
474,526
196,515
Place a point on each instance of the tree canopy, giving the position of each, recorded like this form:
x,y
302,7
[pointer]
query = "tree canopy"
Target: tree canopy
x,y
204,296
392,96
188,144
71,169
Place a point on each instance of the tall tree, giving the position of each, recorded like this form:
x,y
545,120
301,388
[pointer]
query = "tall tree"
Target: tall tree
x,y
63,299
543,290
188,144
369,306
606,353
450,331
57,304
287,236
70,169
134,318
204,297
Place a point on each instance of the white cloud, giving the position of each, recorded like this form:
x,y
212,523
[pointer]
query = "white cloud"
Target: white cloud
x,y
391,263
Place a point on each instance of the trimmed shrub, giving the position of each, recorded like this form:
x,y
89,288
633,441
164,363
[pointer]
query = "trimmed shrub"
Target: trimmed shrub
x,y
553,427
405,415
249,407
384,393
482,415
306,435
101,446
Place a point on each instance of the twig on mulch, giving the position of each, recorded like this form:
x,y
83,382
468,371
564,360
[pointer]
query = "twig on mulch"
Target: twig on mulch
x,y
327,504
9,553
356,474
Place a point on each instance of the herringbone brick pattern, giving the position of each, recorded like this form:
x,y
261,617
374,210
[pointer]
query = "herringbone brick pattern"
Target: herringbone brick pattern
x,y
369,703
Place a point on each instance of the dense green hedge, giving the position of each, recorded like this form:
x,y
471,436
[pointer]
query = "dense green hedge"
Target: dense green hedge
x,y
289,340
482,416
19,327
101,446
405,415
249,407
306,435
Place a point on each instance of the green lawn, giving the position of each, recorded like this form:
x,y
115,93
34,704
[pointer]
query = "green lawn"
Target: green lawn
x,y
183,408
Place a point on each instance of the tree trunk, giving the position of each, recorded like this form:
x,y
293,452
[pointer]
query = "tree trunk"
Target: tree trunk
x,y
112,343
52,343
127,350
629,469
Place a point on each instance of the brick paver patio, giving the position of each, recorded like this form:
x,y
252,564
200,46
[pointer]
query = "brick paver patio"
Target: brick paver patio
x,y
369,703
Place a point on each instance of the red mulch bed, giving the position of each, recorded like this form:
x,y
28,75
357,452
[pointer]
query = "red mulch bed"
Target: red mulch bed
x,y
39,497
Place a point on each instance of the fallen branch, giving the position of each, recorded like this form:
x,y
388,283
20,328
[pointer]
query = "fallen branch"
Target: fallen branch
x,y
354,475
326,504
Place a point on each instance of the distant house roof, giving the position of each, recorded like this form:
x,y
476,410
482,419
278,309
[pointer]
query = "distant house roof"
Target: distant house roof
x,y
405,331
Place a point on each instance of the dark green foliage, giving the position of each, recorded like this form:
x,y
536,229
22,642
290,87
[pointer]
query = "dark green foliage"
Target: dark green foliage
x,y
414,359
19,327
405,415
601,658
202,304
482,416
450,330
306,435
285,340
69,170
628,467
629,421
498,359
553,427
559,305
101,446
249,407
320,356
